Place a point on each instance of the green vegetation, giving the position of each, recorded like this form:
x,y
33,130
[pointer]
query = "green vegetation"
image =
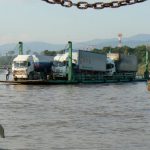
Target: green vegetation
x,y
52,53
5,61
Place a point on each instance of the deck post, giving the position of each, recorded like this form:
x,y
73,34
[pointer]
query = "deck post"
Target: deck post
x,y
146,73
20,48
70,62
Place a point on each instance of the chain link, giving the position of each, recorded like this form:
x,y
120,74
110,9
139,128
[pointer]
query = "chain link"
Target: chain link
x,y
97,5
67,3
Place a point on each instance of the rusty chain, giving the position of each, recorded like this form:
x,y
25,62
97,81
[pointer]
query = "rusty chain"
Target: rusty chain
x,y
96,5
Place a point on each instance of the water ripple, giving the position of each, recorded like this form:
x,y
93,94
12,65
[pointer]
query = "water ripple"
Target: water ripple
x,y
75,117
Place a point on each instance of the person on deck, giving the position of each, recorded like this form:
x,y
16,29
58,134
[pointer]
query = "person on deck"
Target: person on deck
x,y
7,73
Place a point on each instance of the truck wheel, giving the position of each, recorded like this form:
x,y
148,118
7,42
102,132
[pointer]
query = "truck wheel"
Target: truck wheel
x,y
130,79
15,79
30,76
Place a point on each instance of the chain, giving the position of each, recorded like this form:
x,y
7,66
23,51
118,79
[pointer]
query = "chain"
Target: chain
x,y
97,5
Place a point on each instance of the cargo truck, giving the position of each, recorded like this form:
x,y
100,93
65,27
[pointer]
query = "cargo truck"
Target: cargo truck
x,y
126,65
30,67
95,65
84,62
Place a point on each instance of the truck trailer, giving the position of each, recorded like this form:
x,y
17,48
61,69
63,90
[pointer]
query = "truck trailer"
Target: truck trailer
x,y
126,65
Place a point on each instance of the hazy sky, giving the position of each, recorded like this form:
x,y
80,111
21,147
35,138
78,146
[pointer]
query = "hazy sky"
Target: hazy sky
x,y
35,20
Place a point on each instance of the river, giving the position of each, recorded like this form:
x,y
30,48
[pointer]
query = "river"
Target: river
x,y
75,117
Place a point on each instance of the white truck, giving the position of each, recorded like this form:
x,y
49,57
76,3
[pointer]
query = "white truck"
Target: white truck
x,y
30,67
83,61
60,64
124,63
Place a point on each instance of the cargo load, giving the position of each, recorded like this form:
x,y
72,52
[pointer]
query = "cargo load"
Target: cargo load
x,y
91,61
42,62
114,56
127,63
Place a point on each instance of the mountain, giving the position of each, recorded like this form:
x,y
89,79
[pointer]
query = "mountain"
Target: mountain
x,y
140,39
33,46
133,41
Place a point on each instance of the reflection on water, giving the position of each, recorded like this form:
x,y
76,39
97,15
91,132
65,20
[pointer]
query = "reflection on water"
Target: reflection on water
x,y
21,88
75,117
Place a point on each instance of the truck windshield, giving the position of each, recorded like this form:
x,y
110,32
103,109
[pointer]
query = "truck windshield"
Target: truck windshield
x,y
110,66
59,64
20,64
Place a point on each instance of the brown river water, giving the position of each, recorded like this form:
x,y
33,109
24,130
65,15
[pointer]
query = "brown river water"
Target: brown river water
x,y
75,117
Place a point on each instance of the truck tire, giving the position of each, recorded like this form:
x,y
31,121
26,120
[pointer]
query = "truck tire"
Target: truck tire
x,y
15,79
30,76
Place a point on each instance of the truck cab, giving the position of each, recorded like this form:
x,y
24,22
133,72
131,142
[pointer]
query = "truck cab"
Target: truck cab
x,y
110,67
59,69
22,67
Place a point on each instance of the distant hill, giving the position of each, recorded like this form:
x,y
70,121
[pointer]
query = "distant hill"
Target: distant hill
x,y
133,41
140,39
33,46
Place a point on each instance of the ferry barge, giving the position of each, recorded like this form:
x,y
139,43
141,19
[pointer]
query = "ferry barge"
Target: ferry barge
x,y
74,68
